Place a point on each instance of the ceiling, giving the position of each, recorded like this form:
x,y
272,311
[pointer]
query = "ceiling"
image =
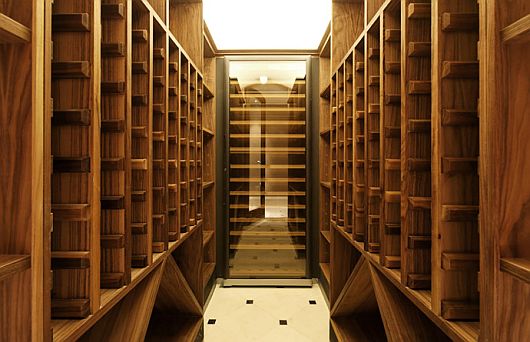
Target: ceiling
x,y
267,25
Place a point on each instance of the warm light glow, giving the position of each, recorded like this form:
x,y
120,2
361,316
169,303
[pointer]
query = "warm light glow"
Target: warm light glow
x,y
263,79
265,25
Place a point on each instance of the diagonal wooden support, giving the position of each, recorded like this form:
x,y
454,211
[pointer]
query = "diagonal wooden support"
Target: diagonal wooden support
x,y
358,294
129,320
403,321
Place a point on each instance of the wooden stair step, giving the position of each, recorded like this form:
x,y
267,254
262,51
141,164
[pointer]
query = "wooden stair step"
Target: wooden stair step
x,y
64,260
112,11
139,132
415,164
112,202
140,36
392,197
140,68
71,164
113,126
159,53
70,22
393,68
139,164
420,202
139,261
74,117
419,11
391,261
458,310
419,49
113,87
517,267
158,81
460,261
458,69
419,242
114,280
393,35
392,229
392,132
138,196
71,70
12,264
419,281
139,228
112,50
451,165
392,164
140,100
419,87
459,117
70,308
391,99
114,241
113,164
71,212
459,213
459,21
419,126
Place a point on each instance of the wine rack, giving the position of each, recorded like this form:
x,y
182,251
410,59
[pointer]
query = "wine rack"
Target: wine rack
x,y
75,191
115,144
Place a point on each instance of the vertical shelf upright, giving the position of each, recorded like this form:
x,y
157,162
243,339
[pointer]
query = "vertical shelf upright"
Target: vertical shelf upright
x,y
24,192
340,146
455,158
359,141
173,137
115,144
372,135
75,189
159,137
390,126
141,131
192,148
348,143
334,150
416,144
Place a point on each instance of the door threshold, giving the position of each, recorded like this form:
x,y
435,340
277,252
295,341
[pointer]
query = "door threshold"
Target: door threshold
x,y
268,282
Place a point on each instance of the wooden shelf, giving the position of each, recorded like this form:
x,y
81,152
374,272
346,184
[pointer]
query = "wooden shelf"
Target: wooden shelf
x,y
13,264
13,32
241,246
266,234
517,267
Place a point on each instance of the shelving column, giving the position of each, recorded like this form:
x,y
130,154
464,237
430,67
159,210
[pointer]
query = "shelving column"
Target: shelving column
x,y
75,189
455,156
416,144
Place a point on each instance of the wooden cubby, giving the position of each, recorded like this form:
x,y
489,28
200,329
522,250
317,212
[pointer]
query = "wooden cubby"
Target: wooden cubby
x,y
116,21
173,142
455,201
372,133
390,128
26,166
504,164
75,184
415,145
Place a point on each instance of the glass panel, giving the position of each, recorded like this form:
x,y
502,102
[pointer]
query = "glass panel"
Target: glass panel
x,y
267,169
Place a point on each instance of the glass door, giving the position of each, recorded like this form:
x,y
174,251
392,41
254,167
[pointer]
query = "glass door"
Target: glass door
x,y
267,173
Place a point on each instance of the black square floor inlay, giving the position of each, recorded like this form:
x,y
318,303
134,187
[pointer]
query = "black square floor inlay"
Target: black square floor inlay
x,y
211,321
283,322
312,302
250,301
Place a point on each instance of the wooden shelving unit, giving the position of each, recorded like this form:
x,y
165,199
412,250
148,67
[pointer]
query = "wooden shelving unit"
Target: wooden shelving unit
x,y
116,20
75,184
415,63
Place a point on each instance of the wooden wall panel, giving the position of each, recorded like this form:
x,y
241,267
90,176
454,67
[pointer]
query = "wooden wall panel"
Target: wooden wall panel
x,y
186,24
347,24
